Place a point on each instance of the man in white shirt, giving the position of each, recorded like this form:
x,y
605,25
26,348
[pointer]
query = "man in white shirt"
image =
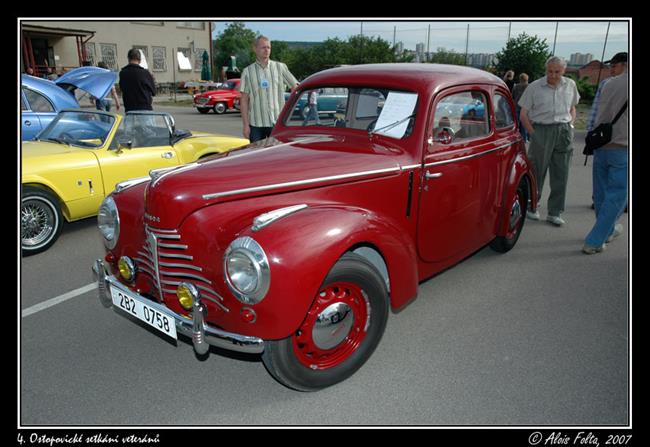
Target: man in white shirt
x,y
548,111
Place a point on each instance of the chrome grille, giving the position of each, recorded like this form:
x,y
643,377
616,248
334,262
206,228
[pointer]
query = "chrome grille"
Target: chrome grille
x,y
165,258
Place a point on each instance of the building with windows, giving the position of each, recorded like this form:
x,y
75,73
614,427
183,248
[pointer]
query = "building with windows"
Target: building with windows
x,y
55,46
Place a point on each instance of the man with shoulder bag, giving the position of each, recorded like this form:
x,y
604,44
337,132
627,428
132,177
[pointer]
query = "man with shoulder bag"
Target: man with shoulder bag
x,y
608,141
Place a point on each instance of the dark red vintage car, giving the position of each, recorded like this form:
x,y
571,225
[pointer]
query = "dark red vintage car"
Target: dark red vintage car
x,y
224,98
299,246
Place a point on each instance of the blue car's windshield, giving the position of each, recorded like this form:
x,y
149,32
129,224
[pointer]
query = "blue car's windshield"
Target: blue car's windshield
x,y
79,128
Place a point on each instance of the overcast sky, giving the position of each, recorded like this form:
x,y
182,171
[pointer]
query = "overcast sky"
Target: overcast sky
x,y
484,36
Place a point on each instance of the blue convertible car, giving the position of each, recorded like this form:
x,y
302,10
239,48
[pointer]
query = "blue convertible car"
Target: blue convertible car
x,y
42,99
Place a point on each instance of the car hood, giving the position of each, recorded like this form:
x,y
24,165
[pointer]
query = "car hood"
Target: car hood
x,y
94,80
272,167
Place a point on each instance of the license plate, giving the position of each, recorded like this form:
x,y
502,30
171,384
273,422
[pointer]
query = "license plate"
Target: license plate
x,y
133,305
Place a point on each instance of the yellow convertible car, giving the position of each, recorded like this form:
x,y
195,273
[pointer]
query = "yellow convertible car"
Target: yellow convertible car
x,y
79,158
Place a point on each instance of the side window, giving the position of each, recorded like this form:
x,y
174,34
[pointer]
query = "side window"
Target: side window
x,y
38,102
502,112
143,130
461,115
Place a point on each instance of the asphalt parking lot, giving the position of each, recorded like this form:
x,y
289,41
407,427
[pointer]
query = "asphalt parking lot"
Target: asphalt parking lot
x,y
537,336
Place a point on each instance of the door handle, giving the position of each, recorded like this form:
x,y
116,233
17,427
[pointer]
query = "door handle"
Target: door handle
x,y
430,175
28,123
167,155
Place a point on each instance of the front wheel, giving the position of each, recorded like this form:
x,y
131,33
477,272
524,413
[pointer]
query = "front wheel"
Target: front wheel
x,y
41,220
340,332
220,108
516,220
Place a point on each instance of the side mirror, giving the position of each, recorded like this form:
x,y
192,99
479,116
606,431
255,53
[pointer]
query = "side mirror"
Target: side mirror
x,y
124,144
179,134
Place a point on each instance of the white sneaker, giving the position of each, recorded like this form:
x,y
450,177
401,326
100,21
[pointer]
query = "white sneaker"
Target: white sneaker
x,y
618,229
533,215
589,250
555,220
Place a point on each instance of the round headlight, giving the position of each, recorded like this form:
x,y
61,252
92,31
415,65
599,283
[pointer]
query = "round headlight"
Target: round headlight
x,y
246,269
108,221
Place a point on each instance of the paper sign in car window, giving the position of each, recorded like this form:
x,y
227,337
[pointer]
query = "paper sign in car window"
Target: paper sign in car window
x,y
398,107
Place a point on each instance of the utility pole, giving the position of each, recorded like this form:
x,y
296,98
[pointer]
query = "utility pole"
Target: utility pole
x,y
602,58
394,35
428,41
555,39
509,30
467,44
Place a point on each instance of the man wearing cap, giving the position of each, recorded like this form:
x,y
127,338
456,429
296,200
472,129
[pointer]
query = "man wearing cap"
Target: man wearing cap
x,y
548,111
610,161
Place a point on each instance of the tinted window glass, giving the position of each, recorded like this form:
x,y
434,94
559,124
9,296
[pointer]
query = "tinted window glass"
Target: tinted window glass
x,y
502,112
465,113
38,102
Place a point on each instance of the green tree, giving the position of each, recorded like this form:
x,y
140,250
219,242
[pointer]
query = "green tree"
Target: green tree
x,y
524,54
586,89
442,56
236,40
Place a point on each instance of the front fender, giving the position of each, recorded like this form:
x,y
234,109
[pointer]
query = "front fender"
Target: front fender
x,y
519,170
303,247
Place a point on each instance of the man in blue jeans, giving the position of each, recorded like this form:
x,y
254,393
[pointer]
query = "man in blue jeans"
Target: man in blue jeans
x,y
610,162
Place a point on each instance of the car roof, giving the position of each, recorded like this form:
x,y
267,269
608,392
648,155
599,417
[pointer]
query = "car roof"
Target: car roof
x,y
405,76
60,97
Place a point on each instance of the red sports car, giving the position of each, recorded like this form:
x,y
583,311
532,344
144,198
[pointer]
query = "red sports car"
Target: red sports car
x,y
298,247
219,100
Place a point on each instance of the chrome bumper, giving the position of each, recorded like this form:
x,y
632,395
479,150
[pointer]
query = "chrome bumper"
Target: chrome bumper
x,y
201,334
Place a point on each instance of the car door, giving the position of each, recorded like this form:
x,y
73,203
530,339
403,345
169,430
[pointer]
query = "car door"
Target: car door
x,y
454,173
148,135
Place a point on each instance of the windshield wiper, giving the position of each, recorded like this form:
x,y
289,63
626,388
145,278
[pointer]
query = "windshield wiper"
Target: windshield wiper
x,y
390,126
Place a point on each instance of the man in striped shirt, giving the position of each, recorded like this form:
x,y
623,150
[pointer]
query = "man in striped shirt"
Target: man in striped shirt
x,y
262,92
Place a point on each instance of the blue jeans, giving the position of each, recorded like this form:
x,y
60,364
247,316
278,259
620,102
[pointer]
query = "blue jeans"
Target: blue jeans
x,y
610,192
259,133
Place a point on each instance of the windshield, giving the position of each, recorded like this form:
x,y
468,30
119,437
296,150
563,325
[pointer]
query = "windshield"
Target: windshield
x,y
374,110
84,129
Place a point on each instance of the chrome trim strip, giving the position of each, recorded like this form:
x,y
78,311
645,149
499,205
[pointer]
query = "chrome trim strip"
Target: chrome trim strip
x,y
169,236
298,182
121,186
177,246
266,219
468,157
185,275
183,266
175,256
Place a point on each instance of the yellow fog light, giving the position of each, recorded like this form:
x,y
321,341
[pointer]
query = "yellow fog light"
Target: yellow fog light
x,y
127,268
187,294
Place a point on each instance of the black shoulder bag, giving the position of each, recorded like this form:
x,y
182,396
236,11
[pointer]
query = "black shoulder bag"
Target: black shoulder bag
x,y
601,135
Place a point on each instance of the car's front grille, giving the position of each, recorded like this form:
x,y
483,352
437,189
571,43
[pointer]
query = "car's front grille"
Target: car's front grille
x,y
203,100
165,257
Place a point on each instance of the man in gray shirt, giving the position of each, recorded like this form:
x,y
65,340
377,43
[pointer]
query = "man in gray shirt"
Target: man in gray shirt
x,y
548,110
610,161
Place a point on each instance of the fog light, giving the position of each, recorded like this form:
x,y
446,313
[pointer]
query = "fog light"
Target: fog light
x,y
187,294
127,268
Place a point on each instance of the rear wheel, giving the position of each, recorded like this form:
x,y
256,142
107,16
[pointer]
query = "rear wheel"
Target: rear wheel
x,y
41,220
516,220
340,332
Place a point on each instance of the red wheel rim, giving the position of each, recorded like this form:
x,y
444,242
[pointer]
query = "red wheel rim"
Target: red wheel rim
x,y
308,344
